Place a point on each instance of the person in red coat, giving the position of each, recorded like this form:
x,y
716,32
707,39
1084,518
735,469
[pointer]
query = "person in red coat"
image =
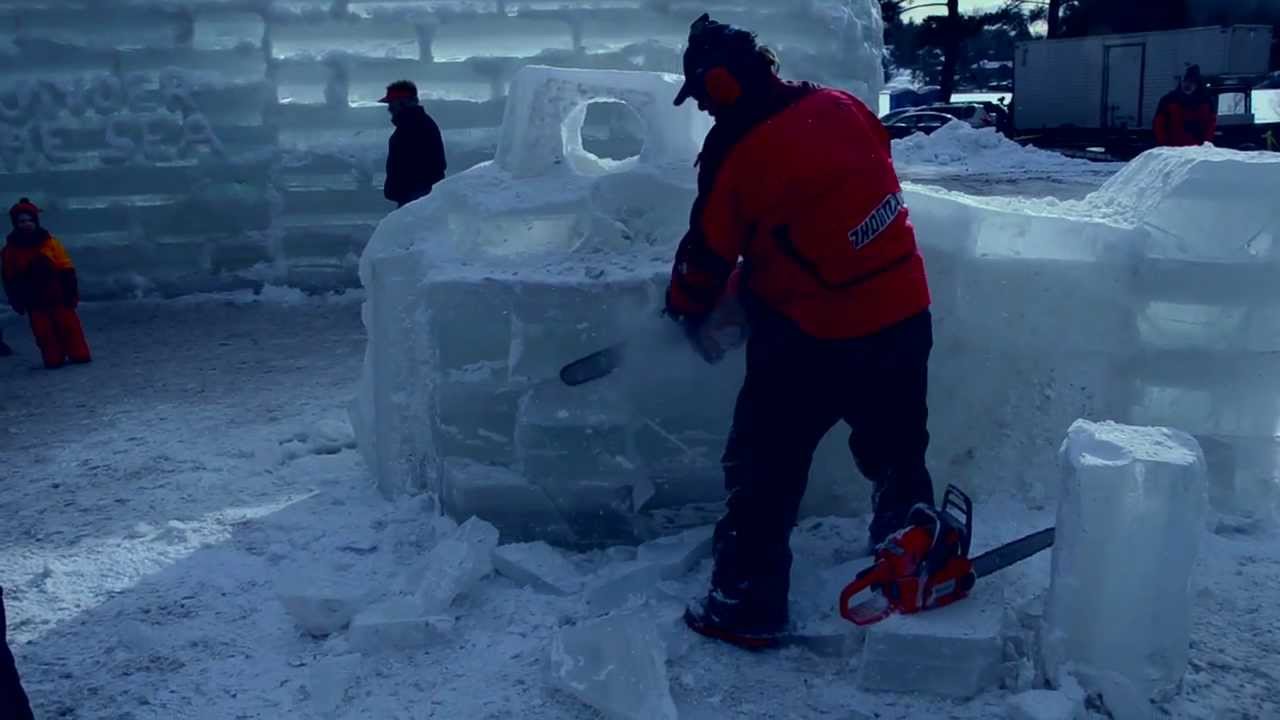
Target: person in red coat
x,y
1188,115
796,181
40,282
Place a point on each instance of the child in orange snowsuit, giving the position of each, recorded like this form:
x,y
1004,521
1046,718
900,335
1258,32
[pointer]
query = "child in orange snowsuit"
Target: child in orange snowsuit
x,y
40,281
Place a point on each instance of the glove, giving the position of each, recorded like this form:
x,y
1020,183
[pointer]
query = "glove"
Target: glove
x,y
695,329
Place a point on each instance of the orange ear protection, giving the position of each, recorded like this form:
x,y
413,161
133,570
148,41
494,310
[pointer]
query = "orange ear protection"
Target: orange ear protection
x,y
722,87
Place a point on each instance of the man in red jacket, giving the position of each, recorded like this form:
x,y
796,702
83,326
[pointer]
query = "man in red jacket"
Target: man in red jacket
x,y
797,181
1188,115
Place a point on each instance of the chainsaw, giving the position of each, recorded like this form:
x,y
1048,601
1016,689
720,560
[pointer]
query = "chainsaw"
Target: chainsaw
x,y
926,565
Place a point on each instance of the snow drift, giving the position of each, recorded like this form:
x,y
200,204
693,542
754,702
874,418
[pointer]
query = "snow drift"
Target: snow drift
x,y
190,145
1150,302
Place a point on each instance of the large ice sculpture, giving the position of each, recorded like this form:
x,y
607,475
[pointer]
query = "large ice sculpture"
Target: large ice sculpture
x,y
1150,301
482,291
1130,515
1044,312
187,145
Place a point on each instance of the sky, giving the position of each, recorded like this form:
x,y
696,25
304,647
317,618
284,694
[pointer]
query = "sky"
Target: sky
x,y
965,6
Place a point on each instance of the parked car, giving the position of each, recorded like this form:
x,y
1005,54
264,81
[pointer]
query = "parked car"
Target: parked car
x,y
911,123
977,114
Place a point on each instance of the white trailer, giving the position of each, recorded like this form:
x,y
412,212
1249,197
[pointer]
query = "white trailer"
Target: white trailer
x,y
1114,82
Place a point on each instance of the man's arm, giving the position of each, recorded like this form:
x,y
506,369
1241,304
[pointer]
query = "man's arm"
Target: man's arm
x,y
708,253
1160,123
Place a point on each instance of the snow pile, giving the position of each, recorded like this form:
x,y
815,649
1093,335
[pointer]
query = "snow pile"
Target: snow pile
x,y
196,145
960,148
1132,507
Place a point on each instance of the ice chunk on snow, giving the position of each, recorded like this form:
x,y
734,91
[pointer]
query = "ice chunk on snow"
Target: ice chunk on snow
x,y
321,608
816,622
1131,511
954,651
616,664
478,532
625,584
539,565
454,565
1045,705
451,568
396,624
678,554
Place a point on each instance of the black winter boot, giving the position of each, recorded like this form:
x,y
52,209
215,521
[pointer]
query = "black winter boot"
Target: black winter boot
x,y
720,618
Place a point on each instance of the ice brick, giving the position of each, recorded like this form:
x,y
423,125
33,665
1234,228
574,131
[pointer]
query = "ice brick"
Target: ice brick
x,y
1132,507
616,664
815,619
576,447
478,532
396,624
537,565
572,433
1045,705
476,419
519,509
678,554
555,323
470,320
954,651
452,568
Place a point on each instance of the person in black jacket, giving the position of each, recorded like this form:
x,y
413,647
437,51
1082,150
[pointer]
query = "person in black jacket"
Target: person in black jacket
x,y
13,699
415,153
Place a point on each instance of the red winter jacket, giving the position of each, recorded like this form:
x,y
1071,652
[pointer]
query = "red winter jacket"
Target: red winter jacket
x,y
1184,120
802,187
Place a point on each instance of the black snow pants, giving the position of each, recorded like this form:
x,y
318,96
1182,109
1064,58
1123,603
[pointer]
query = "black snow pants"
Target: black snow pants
x,y
13,699
796,389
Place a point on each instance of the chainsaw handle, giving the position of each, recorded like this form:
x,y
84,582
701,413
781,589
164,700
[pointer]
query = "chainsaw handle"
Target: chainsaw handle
x,y
861,582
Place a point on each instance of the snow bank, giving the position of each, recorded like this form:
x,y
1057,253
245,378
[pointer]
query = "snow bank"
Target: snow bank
x,y
1145,302
958,147
192,145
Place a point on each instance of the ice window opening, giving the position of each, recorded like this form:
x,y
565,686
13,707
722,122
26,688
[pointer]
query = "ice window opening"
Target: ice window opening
x,y
602,136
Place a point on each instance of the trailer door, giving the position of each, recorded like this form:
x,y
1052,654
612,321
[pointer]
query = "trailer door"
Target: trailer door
x,y
1122,85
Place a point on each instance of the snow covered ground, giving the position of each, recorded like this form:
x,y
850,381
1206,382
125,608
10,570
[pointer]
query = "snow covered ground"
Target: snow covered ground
x,y
157,501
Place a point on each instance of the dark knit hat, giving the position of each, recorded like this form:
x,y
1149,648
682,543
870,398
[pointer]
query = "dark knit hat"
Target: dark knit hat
x,y
714,43
24,207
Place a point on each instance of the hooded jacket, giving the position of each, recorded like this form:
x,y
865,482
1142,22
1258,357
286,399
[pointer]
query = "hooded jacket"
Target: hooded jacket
x,y
799,184
36,270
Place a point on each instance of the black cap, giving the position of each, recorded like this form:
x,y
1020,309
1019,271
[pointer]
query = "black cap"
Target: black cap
x,y
712,43
1192,73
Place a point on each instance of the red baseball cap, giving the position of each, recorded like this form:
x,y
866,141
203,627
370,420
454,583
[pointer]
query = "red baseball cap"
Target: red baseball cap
x,y
400,90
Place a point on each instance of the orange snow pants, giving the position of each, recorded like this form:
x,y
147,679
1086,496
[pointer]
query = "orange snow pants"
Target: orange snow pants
x,y
59,336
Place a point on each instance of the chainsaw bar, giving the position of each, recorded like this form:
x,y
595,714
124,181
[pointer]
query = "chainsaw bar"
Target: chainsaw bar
x,y
593,366
1011,553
